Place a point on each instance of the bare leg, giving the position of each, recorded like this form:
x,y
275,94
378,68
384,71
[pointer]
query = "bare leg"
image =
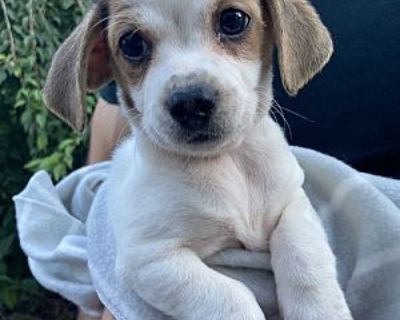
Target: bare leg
x,y
82,316
107,316
108,127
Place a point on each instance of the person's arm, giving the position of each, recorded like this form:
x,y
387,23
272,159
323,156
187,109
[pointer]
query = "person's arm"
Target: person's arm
x,y
107,316
108,127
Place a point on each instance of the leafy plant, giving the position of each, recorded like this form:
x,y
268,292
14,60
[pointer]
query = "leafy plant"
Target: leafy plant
x,y
30,138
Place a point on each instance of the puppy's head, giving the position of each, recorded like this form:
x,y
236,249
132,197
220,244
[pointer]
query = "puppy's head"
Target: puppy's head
x,y
194,75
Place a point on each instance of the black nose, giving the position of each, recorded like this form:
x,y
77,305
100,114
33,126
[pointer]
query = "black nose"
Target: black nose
x,y
193,107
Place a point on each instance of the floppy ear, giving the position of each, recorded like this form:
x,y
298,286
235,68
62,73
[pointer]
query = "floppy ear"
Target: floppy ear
x,y
303,42
81,64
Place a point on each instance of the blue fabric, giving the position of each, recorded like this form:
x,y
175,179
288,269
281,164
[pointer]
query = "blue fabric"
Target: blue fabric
x,y
109,93
353,107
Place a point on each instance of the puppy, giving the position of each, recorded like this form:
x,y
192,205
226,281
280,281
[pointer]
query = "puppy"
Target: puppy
x,y
207,168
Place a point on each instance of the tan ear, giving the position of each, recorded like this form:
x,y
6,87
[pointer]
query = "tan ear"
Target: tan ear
x,y
81,64
303,42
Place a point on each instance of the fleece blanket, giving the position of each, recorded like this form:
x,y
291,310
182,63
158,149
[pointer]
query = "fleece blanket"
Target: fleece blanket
x,y
65,232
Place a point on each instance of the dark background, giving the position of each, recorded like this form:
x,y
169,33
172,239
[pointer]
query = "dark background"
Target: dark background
x,y
353,107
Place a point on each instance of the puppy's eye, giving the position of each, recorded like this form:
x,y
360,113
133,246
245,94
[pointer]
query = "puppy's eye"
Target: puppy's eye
x,y
134,47
233,22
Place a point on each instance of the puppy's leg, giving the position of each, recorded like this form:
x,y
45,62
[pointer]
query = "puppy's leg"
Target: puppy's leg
x,y
176,282
305,267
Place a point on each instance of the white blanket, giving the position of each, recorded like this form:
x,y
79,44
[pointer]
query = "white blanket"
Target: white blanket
x,y
65,233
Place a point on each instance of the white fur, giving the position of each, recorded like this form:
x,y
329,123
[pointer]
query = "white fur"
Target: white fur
x,y
169,212
174,205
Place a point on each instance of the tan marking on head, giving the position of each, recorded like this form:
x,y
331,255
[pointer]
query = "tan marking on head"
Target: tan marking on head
x,y
124,19
252,44
303,42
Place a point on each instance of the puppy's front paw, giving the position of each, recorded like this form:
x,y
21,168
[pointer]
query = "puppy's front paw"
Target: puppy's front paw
x,y
319,313
314,306
235,302
241,305
244,309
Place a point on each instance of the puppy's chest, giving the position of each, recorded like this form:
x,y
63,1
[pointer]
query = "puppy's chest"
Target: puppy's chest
x,y
239,200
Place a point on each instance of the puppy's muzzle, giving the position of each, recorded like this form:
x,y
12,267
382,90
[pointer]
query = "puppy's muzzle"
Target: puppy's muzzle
x,y
192,107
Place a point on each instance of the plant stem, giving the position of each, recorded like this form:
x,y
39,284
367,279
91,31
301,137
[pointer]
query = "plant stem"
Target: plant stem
x,y
9,30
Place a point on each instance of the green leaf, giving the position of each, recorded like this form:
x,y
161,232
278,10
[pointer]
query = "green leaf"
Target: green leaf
x,y
3,76
5,246
9,298
42,141
41,120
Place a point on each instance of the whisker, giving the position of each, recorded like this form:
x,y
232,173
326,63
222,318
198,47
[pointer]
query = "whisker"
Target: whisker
x,y
276,106
99,23
276,110
286,109
298,115
125,21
